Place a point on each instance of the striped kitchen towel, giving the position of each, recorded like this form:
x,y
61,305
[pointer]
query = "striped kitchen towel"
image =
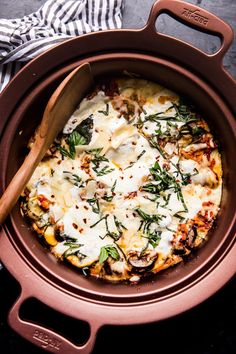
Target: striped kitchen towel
x,y
57,20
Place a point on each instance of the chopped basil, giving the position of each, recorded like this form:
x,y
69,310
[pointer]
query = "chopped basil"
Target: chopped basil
x,y
154,143
97,222
85,129
72,177
107,198
72,250
97,159
139,156
104,171
73,140
65,152
184,113
108,251
106,112
114,186
154,238
147,217
93,202
165,181
166,200
186,177
119,225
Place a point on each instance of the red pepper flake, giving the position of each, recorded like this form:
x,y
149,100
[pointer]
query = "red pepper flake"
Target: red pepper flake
x,y
207,203
52,196
121,177
81,230
96,130
76,207
85,221
131,195
134,215
72,168
75,226
131,176
85,207
59,162
101,185
166,166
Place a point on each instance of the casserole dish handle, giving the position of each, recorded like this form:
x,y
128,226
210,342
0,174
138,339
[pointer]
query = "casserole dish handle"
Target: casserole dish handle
x,y
45,337
195,17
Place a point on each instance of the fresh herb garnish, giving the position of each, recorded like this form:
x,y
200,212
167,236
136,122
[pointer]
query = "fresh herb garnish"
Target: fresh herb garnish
x,y
138,157
120,227
114,186
165,182
65,152
108,251
97,222
73,140
72,177
85,129
183,113
186,177
104,171
147,217
94,203
107,198
97,159
154,238
106,112
154,143
72,250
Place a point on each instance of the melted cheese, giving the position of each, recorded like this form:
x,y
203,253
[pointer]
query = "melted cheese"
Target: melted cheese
x,y
98,204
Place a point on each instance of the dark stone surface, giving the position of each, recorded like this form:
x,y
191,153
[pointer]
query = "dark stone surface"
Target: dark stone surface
x,y
206,329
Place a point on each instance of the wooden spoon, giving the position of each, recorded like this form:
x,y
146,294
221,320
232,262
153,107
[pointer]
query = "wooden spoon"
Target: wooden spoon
x,y
59,109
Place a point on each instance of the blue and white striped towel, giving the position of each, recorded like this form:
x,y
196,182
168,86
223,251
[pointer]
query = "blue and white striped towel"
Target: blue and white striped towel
x,y
57,20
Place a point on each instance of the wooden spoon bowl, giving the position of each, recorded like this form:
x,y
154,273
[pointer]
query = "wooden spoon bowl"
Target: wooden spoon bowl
x,y
60,107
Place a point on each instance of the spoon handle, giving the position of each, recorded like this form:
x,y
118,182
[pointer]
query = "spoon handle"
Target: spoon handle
x,y
59,109
17,184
